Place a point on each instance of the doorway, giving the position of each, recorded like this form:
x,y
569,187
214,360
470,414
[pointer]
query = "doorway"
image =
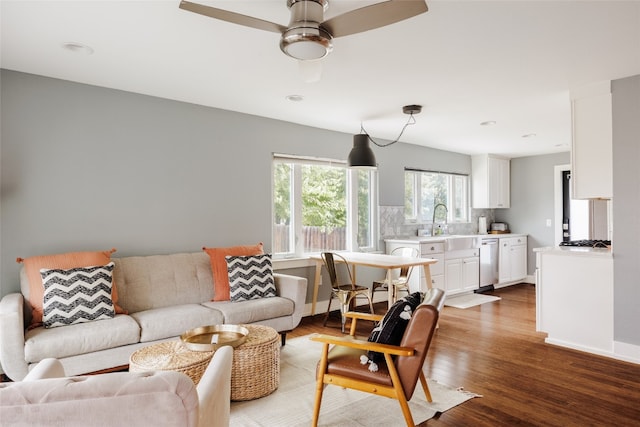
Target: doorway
x,y
577,219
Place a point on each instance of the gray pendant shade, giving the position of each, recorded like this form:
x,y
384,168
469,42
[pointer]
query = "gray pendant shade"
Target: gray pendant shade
x,y
361,155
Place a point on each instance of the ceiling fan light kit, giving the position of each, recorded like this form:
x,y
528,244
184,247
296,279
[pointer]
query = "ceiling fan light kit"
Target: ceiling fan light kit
x,y
305,39
305,43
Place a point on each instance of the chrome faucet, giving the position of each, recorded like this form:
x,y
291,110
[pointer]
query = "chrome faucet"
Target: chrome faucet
x,y
433,220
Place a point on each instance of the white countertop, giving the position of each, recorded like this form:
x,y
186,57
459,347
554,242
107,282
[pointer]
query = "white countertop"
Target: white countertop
x,y
575,251
432,239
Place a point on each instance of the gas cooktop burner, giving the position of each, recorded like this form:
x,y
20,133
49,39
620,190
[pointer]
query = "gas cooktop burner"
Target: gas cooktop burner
x,y
588,243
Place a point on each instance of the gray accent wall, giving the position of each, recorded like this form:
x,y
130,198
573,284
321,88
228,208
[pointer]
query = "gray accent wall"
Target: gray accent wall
x,y
89,168
532,201
626,209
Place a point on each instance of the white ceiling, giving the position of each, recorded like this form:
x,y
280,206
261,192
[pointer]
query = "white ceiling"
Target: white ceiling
x,y
465,62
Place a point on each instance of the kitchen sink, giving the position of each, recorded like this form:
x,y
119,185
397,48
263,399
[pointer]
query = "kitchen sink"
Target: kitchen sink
x,y
458,243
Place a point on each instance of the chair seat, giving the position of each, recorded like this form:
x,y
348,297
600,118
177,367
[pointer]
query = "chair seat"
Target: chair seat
x,y
395,282
345,361
349,288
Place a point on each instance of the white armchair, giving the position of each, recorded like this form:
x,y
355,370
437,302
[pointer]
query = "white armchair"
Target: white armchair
x,y
162,398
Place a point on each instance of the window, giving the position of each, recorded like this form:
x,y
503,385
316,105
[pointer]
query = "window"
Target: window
x,y
321,205
424,189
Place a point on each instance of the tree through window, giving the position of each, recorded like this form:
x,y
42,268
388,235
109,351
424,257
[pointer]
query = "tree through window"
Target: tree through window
x,y
316,204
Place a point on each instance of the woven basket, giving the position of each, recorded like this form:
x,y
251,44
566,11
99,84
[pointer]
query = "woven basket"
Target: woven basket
x,y
256,364
171,356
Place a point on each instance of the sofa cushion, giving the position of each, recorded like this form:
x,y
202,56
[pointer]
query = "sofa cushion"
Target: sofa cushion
x,y
252,311
35,289
219,266
173,321
156,281
41,343
77,295
250,277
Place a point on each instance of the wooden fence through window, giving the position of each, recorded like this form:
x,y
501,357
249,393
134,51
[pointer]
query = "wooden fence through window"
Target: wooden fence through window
x,y
316,239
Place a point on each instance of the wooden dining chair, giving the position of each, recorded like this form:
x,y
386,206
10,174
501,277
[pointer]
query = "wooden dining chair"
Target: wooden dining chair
x,y
401,283
345,292
397,375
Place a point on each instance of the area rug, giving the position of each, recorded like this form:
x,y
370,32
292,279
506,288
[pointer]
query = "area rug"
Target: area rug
x,y
292,403
469,300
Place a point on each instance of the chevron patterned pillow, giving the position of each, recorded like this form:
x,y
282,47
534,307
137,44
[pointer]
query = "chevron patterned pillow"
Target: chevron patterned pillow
x,y
77,295
250,277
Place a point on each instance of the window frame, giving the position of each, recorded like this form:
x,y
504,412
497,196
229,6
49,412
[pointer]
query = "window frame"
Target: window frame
x,y
351,191
418,217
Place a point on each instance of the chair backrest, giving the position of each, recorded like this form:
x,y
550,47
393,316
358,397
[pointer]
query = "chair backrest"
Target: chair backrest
x,y
329,263
418,336
405,272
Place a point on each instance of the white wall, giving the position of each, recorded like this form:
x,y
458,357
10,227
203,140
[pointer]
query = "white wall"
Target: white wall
x,y
626,210
532,201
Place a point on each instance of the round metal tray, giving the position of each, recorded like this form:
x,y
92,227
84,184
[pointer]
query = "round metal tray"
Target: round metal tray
x,y
210,338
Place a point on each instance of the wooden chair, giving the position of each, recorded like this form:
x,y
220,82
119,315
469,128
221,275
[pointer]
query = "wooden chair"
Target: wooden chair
x,y
397,375
343,292
401,283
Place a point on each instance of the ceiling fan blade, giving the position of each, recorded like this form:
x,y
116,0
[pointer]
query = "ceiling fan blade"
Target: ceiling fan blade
x,y
373,16
235,18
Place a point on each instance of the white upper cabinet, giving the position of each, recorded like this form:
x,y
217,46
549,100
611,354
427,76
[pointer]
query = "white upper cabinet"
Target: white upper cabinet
x,y
490,176
592,141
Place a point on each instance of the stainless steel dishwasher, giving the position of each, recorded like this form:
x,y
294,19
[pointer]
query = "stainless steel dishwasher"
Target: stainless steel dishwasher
x,y
488,264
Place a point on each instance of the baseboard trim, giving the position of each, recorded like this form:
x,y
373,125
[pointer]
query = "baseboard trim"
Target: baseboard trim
x,y
621,351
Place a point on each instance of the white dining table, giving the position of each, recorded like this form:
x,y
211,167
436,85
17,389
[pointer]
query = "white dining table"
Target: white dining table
x,y
376,260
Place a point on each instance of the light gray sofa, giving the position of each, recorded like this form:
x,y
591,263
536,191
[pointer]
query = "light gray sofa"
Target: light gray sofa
x,y
165,295
48,397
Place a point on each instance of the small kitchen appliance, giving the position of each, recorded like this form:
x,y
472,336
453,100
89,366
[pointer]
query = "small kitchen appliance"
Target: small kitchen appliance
x,y
499,226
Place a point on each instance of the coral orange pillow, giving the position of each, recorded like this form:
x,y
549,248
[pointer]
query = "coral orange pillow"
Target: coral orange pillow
x,y
219,266
65,261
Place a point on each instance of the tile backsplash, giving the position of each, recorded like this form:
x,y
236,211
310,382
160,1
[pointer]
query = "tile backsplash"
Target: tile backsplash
x,y
393,225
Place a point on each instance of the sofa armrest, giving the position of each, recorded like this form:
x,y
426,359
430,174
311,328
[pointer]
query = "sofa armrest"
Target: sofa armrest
x,y
214,389
295,289
46,368
12,355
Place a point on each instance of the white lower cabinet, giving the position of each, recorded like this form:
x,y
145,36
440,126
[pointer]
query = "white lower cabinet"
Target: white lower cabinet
x,y
455,271
462,274
512,259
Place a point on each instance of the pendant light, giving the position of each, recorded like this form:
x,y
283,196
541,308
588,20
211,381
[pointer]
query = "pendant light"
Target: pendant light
x,y
361,155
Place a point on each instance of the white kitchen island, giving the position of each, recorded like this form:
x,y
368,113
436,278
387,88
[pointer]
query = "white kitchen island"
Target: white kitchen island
x,y
574,297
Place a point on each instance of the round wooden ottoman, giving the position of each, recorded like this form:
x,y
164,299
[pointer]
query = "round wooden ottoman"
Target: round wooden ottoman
x,y
255,371
171,356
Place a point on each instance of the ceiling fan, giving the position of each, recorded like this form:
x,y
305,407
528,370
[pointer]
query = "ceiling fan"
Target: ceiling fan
x,y
308,36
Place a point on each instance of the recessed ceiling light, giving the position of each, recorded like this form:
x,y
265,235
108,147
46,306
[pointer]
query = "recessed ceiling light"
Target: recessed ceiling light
x,y
78,48
294,98
488,123
529,135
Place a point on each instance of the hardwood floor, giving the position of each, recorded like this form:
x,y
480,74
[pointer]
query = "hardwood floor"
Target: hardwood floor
x,y
493,350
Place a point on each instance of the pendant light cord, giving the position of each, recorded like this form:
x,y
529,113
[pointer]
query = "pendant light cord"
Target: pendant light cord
x,y
410,121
